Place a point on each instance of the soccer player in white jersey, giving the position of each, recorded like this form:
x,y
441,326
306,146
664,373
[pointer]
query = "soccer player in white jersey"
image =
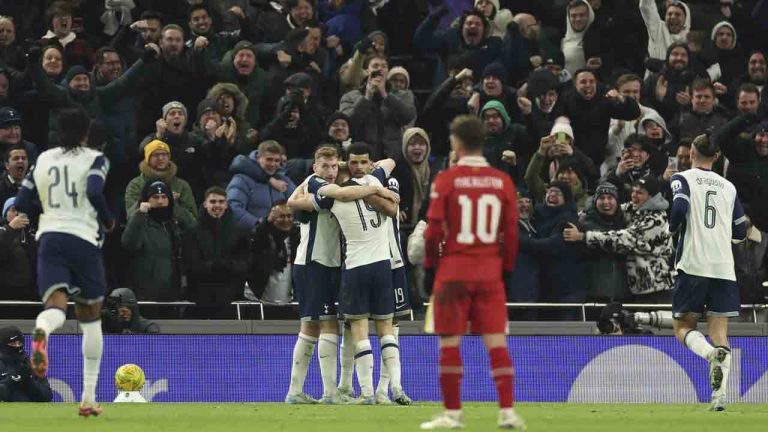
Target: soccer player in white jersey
x,y
366,280
69,181
316,275
709,216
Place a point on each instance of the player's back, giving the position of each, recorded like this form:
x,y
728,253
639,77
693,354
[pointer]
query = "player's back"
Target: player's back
x,y
704,248
320,237
61,179
477,205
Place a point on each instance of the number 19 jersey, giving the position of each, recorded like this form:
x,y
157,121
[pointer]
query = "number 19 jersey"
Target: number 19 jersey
x,y
476,205
61,180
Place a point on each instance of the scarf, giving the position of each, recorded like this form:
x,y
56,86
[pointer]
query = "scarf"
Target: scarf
x,y
66,40
109,17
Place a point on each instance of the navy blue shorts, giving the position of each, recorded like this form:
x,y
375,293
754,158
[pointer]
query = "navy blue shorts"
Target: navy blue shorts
x,y
366,292
317,289
66,262
697,294
400,286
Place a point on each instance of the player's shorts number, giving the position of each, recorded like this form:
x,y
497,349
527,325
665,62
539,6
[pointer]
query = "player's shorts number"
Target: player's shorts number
x,y
710,212
69,188
399,295
487,210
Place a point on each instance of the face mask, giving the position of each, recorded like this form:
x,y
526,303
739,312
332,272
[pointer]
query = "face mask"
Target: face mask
x,y
160,214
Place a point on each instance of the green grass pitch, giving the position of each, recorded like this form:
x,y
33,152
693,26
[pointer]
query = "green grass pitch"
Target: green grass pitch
x,y
262,417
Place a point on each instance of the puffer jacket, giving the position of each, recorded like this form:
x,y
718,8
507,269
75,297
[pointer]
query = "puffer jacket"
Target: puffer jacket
x,y
647,243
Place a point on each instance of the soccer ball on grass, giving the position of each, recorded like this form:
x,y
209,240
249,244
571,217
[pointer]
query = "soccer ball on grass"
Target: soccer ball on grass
x,y
129,377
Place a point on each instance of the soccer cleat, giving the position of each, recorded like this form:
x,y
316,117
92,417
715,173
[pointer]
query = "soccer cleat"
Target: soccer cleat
x,y
337,399
401,398
383,399
718,403
365,400
39,358
346,391
443,421
716,359
300,399
508,419
87,410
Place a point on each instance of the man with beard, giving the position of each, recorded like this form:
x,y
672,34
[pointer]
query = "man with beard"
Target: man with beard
x,y
157,166
590,106
470,39
218,43
662,34
338,128
606,271
579,17
130,40
757,75
17,383
217,258
153,243
506,146
704,115
669,90
274,243
748,99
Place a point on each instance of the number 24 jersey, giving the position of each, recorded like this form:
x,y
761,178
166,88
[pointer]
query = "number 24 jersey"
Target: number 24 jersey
x,y
475,208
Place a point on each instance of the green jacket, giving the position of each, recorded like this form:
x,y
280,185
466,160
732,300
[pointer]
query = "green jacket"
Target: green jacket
x,y
154,271
252,86
538,187
184,210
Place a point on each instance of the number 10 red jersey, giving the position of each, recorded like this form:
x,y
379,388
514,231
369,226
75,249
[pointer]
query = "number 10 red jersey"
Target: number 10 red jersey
x,y
473,210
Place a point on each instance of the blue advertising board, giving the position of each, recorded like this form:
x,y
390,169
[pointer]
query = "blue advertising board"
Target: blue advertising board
x,y
256,368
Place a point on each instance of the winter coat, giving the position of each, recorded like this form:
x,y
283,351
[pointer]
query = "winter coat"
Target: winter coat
x,y
647,243
270,254
378,121
606,271
111,323
241,106
620,130
184,210
18,384
155,266
249,194
299,141
659,37
690,124
524,284
564,278
590,119
439,109
752,266
252,86
18,258
538,187
217,257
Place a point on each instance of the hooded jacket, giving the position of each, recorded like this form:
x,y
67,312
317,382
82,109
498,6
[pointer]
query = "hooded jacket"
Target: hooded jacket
x,y
249,194
17,383
499,19
513,137
138,324
647,243
185,209
659,37
18,258
730,62
621,130
414,179
572,44
241,101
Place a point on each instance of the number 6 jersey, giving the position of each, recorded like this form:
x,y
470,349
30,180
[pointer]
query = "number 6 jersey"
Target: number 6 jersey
x,y
61,180
708,213
473,209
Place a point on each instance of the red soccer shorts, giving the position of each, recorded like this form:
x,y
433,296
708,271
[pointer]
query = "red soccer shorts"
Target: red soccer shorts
x,y
481,302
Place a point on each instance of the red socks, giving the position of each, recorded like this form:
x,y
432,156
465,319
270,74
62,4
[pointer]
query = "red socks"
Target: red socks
x,y
451,372
503,375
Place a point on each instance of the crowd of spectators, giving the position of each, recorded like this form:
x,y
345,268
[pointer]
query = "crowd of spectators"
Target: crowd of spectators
x,y
209,112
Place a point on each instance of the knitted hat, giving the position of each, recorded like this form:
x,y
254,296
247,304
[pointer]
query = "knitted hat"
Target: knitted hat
x,y
75,71
8,204
338,115
498,106
243,44
496,70
571,163
399,70
204,106
299,79
562,126
607,189
564,188
650,183
153,146
156,188
174,105
540,82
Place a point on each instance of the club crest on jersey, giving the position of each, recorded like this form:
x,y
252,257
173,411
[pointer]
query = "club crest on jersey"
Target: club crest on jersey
x,y
676,185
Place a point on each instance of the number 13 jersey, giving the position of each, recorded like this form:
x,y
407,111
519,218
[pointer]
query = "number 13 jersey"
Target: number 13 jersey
x,y
61,180
475,208
704,247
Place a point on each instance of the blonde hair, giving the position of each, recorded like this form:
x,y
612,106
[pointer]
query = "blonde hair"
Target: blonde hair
x,y
326,151
271,146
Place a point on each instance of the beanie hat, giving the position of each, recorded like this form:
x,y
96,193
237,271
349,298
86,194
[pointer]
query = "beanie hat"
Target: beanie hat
x,y
650,183
399,70
173,105
607,188
540,82
564,188
563,126
75,71
153,146
496,70
762,127
338,115
571,163
9,116
243,44
8,204
156,188
498,106
299,79
204,106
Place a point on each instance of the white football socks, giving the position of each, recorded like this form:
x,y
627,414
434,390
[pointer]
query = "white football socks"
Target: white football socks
x,y
697,343
390,358
364,367
93,346
327,351
50,319
302,355
347,358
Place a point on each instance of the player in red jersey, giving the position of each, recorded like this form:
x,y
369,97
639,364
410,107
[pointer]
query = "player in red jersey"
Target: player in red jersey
x,y
473,211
